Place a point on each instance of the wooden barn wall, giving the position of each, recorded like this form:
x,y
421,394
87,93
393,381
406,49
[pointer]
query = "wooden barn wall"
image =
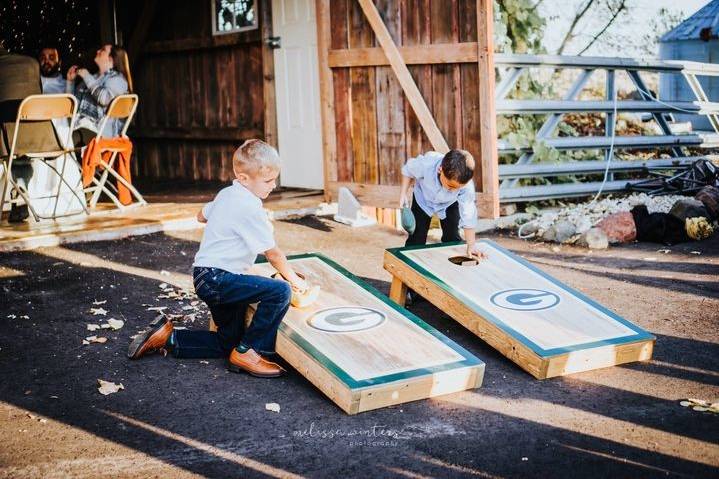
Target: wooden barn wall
x,y
376,129
200,96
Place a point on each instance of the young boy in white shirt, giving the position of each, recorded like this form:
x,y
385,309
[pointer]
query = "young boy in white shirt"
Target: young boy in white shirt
x,y
237,231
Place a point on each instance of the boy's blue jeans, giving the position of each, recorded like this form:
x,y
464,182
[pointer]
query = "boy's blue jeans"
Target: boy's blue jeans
x,y
228,295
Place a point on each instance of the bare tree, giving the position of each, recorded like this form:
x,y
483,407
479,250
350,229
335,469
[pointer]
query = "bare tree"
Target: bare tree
x,y
614,14
570,33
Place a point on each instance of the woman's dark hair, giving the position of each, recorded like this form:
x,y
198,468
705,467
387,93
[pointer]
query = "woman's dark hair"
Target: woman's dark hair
x,y
458,165
121,64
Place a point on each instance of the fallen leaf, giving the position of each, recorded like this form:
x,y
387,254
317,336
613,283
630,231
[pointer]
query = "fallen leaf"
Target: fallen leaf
x,y
98,303
108,387
157,308
272,406
11,316
665,251
204,362
695,252
24,316
95,339
98,311
163,285
93,327
113,324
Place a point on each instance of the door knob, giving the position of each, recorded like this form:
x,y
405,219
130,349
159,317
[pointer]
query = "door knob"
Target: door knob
x,y
273,42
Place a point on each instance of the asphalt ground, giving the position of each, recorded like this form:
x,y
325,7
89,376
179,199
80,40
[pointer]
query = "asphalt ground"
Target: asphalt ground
x,y
191,418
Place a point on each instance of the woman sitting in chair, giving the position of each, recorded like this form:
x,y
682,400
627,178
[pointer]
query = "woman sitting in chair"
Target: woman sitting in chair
x,y
95,92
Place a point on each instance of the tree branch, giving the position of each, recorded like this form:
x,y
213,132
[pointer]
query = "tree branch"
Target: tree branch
x,y
570,33
609,23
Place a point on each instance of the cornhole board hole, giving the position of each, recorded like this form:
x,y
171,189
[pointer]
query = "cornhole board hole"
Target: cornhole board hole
x,y
541,324
363,350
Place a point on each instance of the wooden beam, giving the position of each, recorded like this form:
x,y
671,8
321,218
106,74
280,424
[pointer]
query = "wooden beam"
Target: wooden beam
x,y
196,133
192,44
139,34
385,196
405,78
487,116
268,75
327,109
412,55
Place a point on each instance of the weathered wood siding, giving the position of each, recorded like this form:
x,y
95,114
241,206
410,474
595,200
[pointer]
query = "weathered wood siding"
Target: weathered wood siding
x,y
376,129
200,96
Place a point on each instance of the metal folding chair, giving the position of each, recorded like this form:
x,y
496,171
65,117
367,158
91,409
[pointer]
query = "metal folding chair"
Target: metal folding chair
x,y
36,108
123,107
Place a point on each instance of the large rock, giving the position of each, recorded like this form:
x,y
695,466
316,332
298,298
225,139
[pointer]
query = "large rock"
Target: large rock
x,y
619,227
563,231
709,196
595,238
688,208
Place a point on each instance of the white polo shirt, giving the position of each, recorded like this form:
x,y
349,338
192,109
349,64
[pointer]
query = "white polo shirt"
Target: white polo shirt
x,y
237,231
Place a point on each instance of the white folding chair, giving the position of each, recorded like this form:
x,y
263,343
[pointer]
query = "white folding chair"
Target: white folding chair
x,y
123,107
36,108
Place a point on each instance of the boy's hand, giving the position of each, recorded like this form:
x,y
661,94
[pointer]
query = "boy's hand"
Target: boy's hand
x,y
201,217
473,251
300,285
403,202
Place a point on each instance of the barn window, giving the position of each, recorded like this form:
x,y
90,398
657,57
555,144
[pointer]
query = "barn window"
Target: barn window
x,y
229,16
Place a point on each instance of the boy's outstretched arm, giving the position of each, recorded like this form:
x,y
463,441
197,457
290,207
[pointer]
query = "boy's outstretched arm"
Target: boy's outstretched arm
x,y
470,238
404,199
279,261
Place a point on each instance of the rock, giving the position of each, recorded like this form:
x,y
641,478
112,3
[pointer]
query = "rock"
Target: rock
x,y
563,230
709,196
549,234
619,227
688,208
595,238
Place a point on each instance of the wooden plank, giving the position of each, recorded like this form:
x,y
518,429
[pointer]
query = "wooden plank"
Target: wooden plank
x,y
470,104
464,52
390,107
363,104
139,33
416,30
446,99
487,116
269,109
327,342
381,196
405,79
544,326
329,146
229,134
343,164
203,43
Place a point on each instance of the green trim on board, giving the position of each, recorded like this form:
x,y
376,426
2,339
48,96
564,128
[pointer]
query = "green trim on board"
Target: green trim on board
x,y
641,335
469,360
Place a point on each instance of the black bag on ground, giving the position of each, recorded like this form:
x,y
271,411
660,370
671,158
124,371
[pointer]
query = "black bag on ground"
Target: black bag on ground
x,y
658,227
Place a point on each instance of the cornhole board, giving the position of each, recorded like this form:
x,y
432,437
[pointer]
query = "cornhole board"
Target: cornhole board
x,y
363,350
543,325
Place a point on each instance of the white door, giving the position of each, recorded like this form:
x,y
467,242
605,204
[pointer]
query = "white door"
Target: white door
x,y
297,91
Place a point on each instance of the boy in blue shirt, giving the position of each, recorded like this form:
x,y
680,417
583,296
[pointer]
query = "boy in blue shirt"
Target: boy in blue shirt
x,y
237,231
442,186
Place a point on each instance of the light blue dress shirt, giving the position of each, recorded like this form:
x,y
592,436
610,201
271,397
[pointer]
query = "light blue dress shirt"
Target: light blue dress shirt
x,y
432,197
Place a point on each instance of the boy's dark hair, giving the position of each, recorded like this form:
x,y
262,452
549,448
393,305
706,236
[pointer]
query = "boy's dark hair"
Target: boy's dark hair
x,y
458,165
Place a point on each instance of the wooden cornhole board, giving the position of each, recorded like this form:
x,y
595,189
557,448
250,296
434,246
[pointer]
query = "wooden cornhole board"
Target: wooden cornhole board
x,y
363,350
544,326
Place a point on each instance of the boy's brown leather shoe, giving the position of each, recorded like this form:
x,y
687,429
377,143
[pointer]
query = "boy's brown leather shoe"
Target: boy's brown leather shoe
x,y
254,364
152,340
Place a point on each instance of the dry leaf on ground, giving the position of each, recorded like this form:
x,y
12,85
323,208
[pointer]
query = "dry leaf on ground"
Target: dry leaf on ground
x,y
108,387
